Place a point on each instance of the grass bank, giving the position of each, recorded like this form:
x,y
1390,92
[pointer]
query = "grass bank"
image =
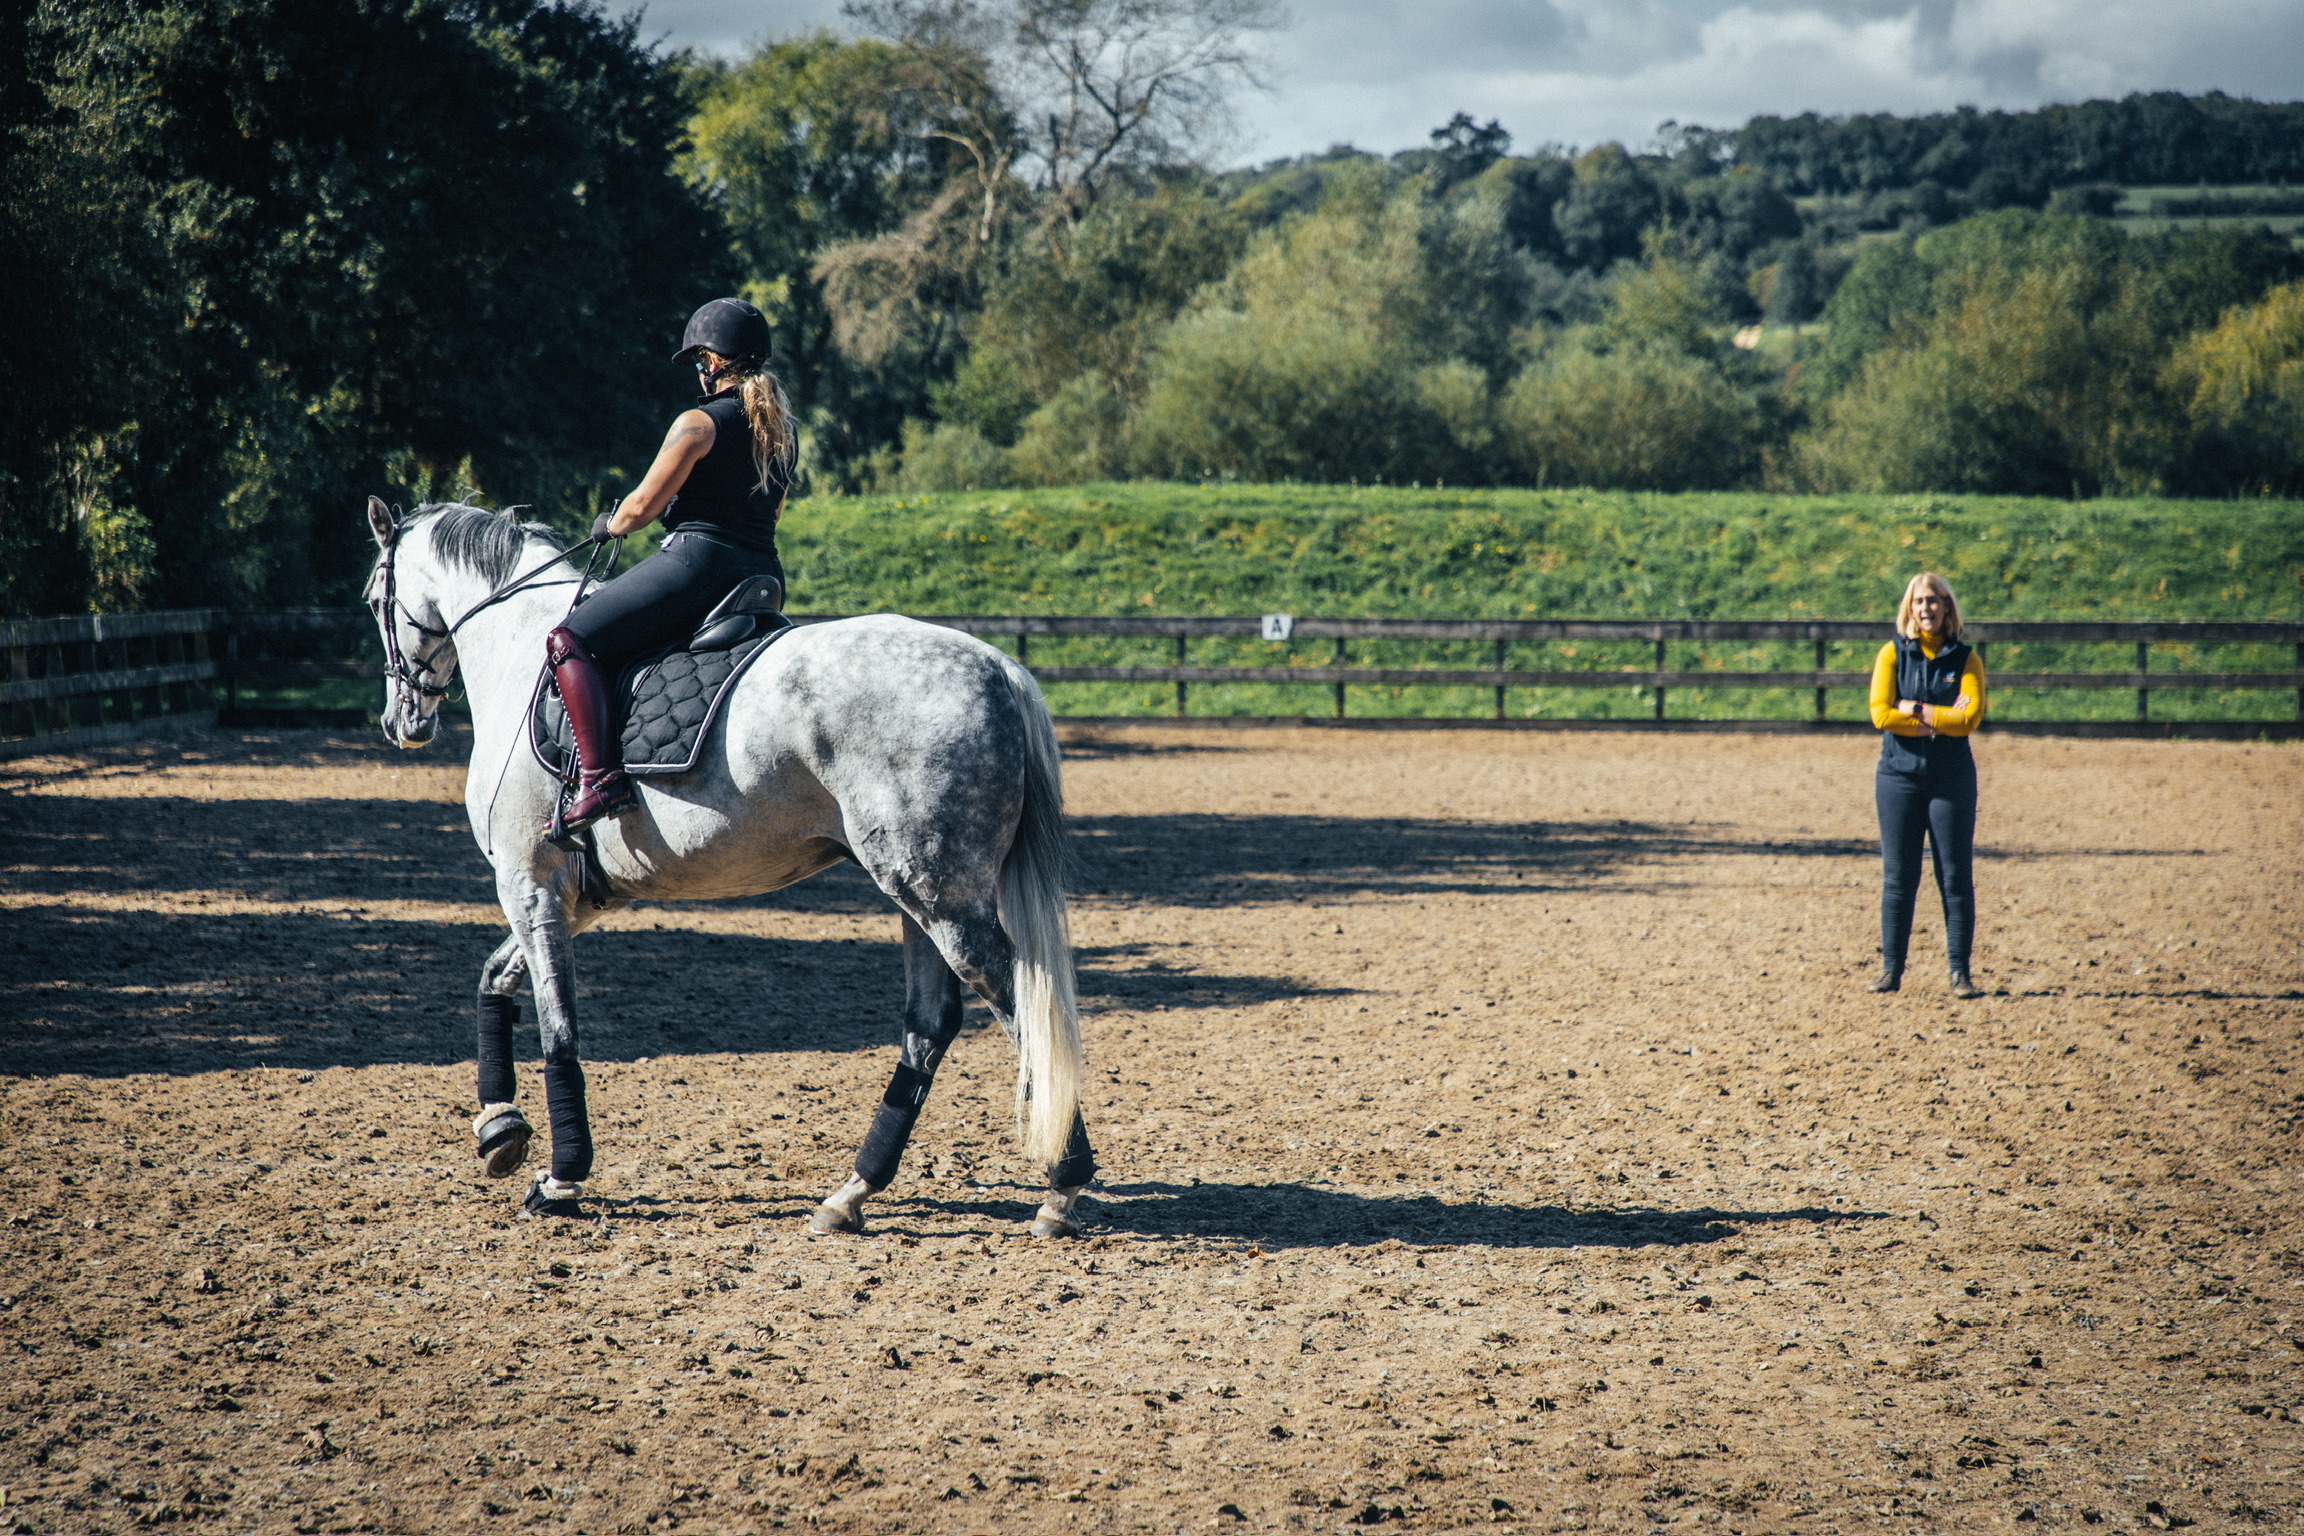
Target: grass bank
x,y
1400,552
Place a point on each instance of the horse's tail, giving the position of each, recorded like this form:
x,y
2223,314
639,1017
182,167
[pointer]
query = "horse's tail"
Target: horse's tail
x,y
1032,910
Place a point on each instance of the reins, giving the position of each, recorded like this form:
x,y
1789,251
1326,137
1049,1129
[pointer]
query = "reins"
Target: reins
x,y
415,673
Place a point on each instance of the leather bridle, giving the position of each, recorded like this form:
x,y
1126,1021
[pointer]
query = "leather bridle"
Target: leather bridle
x,y
415,673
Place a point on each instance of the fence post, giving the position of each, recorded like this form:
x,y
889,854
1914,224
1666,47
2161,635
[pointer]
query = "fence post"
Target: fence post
x,y
1179,681
1023,649
1340,687
1659,686
231,668
1499,686
2143,665
2300,679
1820,662
18,664
60,665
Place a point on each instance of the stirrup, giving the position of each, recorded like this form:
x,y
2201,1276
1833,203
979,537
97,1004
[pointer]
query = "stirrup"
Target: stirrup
x,y
612,804
564,829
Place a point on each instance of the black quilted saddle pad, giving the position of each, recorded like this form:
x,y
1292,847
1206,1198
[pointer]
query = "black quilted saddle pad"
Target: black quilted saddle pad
x,y
667,702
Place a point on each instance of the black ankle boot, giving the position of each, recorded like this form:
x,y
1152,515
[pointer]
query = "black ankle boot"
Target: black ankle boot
x,y
1890,979
1962,986
602,790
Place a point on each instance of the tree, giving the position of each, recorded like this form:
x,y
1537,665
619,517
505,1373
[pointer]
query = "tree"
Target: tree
x,y
1330,349
1464,149
1611,202
1739,214
77,259
1643,418
1096,303
1100,86
2024,353
441,235
2242,382
1532,188
1643,399
2000,157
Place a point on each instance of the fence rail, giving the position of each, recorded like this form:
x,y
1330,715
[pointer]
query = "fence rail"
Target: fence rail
x,y
1661,633
79,679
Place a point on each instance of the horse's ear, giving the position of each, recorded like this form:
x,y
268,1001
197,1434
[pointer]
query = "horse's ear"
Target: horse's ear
x,y
380,520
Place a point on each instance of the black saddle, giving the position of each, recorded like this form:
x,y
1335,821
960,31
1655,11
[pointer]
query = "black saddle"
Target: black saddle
x,y
669,700
755,607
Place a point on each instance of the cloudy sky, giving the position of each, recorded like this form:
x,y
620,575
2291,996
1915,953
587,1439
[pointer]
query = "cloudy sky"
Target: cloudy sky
x,y
1382,73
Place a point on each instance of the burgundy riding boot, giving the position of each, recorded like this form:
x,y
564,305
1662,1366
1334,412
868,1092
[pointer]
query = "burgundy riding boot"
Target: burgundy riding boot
x,y
602,790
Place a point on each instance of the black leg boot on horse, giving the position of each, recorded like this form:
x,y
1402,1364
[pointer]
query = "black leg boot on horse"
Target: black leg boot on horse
x,y
602,790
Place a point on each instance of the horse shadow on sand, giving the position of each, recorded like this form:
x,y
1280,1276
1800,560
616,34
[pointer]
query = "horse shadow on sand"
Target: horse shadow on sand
x,y
1283,1215
176,934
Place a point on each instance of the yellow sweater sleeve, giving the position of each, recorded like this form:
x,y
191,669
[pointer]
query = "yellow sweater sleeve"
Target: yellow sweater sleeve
x,y
1966,713
1955,719
1884,715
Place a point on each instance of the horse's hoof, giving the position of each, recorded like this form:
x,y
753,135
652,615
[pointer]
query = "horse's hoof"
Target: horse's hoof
x,y
549,1197
1054,1218
503,1135
842,1210
830,1220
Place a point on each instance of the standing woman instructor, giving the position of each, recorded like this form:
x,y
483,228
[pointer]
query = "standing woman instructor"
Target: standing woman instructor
x,y
1927,696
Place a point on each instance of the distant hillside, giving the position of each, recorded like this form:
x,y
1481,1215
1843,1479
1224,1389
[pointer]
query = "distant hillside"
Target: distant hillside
x,y
1999,159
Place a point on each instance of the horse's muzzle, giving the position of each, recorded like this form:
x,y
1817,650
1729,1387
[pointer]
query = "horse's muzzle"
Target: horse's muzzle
x,y
409,731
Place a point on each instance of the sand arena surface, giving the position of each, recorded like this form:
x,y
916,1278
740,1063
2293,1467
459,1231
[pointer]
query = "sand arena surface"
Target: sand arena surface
x,y
1494,1133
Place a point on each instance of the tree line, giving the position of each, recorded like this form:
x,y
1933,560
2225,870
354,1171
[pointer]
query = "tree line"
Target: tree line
x,y
265,256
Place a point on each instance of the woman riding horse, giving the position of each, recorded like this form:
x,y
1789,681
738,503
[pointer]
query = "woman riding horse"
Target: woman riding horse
x,y
719,483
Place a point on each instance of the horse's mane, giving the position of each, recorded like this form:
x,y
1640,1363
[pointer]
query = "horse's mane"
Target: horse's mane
x,y
488,544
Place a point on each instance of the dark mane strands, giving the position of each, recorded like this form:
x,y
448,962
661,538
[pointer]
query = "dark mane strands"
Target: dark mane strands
x,y
488,544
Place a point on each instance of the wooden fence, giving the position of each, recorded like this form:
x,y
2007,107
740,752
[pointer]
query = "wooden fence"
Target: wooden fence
x,y
79,680
1658,680
83,679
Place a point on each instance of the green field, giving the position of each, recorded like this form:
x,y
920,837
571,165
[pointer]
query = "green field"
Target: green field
x,y
2150,210
1401,552
1387,551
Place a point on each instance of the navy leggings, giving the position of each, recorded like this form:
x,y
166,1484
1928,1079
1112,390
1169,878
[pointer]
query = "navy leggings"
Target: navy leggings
x,y
663,598
1940,806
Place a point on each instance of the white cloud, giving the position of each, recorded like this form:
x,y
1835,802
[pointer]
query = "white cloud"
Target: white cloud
x,y
725,26
1383,73
1615,69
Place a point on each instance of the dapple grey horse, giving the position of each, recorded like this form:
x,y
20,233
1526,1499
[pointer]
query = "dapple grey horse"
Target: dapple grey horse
x,y
919,752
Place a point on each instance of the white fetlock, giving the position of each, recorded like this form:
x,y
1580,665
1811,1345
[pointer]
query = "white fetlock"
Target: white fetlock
x,y
1055,1217
842,1210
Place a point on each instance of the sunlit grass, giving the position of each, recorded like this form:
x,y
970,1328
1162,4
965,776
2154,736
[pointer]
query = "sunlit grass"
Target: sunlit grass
x,y
1389,551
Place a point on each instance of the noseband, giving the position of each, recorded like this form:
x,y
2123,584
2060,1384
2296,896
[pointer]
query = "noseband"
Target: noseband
x,y
411,673
414,673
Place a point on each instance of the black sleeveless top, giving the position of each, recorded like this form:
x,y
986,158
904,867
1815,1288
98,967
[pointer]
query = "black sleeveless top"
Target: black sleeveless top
x,y
722,496
1926,679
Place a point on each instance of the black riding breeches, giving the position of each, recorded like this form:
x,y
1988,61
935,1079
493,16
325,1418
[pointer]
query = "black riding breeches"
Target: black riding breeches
x,y
1939,807
660,601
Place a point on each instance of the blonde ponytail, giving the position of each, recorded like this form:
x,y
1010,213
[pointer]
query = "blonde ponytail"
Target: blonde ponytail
x,y
765,407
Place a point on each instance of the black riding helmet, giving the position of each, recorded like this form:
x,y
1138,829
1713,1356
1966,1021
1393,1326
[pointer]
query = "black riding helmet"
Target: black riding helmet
x,y
729,327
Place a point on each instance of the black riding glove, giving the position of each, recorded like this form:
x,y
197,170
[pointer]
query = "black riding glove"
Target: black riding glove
x,y
600,525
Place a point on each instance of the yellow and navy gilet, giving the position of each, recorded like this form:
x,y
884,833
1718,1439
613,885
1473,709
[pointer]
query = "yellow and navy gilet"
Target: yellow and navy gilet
x,y
1926,679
